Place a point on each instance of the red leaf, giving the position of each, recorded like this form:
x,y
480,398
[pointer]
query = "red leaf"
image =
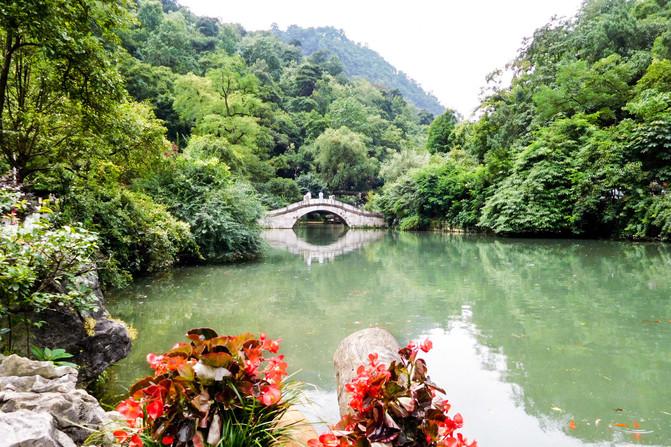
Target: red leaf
x,y
200,334
426,345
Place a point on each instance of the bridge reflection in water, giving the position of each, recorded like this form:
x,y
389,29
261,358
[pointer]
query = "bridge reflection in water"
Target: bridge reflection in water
x,y
322,242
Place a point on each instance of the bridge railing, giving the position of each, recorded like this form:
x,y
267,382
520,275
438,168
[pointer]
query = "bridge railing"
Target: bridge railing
x,y
317,202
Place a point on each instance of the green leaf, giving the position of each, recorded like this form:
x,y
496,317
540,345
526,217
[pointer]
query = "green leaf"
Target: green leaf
x,y
37,352
70,364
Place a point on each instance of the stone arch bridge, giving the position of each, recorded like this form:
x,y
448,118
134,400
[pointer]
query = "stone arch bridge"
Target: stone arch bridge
x,y
352,216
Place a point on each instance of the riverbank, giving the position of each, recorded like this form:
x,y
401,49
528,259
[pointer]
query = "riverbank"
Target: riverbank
x,y
53,293
437,226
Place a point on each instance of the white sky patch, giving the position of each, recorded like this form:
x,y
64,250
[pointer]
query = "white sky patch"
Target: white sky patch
x,y
448,46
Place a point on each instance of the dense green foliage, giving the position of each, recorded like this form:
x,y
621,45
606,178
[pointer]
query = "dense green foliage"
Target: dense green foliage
x,y
137,235
40,267
358,60
58,356
343,162
446,190
221,212
577,145
164,132
257,105
442,133
70,129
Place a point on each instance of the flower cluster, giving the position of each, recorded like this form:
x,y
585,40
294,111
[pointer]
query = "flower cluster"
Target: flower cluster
x,y
366,387
198,385
396,405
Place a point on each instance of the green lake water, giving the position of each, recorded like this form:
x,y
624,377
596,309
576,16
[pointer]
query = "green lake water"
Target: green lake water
x,y
527,334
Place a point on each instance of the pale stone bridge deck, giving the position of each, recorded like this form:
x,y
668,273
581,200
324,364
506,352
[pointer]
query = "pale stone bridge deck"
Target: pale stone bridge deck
x,y
352,216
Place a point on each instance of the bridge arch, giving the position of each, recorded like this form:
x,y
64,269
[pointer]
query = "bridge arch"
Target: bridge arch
x,y
324,209
352,216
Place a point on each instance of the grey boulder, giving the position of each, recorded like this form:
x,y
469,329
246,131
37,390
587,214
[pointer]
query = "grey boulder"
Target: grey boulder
x,y
49,395
104,342
28,429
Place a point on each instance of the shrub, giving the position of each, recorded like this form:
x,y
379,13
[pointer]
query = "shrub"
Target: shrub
x,y
449,191
214,390
58,356
410,223
39,267
222,212
396,405
137,235
8,199
279,192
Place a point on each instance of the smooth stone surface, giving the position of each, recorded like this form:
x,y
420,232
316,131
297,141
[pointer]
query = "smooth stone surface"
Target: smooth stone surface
x,y
37,384
300,431
18,366
354,217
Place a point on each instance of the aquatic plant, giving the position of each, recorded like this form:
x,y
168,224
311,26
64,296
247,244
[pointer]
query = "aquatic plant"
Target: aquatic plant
x,y
396,405
210,391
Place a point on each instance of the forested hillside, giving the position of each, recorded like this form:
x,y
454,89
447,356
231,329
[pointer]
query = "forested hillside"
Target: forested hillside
x,y
283,122
579,144
359,61
167,134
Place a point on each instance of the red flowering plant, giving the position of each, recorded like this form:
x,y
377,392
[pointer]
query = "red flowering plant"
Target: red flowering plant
x,y
396,405
212,391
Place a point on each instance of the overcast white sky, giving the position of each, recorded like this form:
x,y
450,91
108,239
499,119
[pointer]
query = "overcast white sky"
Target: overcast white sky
x,y
448,46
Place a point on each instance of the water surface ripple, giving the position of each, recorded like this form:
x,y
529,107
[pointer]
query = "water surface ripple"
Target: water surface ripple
x,y
528,334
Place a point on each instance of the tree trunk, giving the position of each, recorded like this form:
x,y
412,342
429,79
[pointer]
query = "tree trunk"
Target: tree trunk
x,y
4,77
353,351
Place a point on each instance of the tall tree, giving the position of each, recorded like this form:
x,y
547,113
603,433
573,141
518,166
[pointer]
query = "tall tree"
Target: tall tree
x,y
441,133
343,161
56,77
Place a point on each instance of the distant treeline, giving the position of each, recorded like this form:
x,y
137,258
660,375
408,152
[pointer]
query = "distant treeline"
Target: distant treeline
x,y
359,61
579,144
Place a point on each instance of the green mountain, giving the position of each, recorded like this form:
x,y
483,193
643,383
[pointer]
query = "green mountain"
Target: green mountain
x,y
360,61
